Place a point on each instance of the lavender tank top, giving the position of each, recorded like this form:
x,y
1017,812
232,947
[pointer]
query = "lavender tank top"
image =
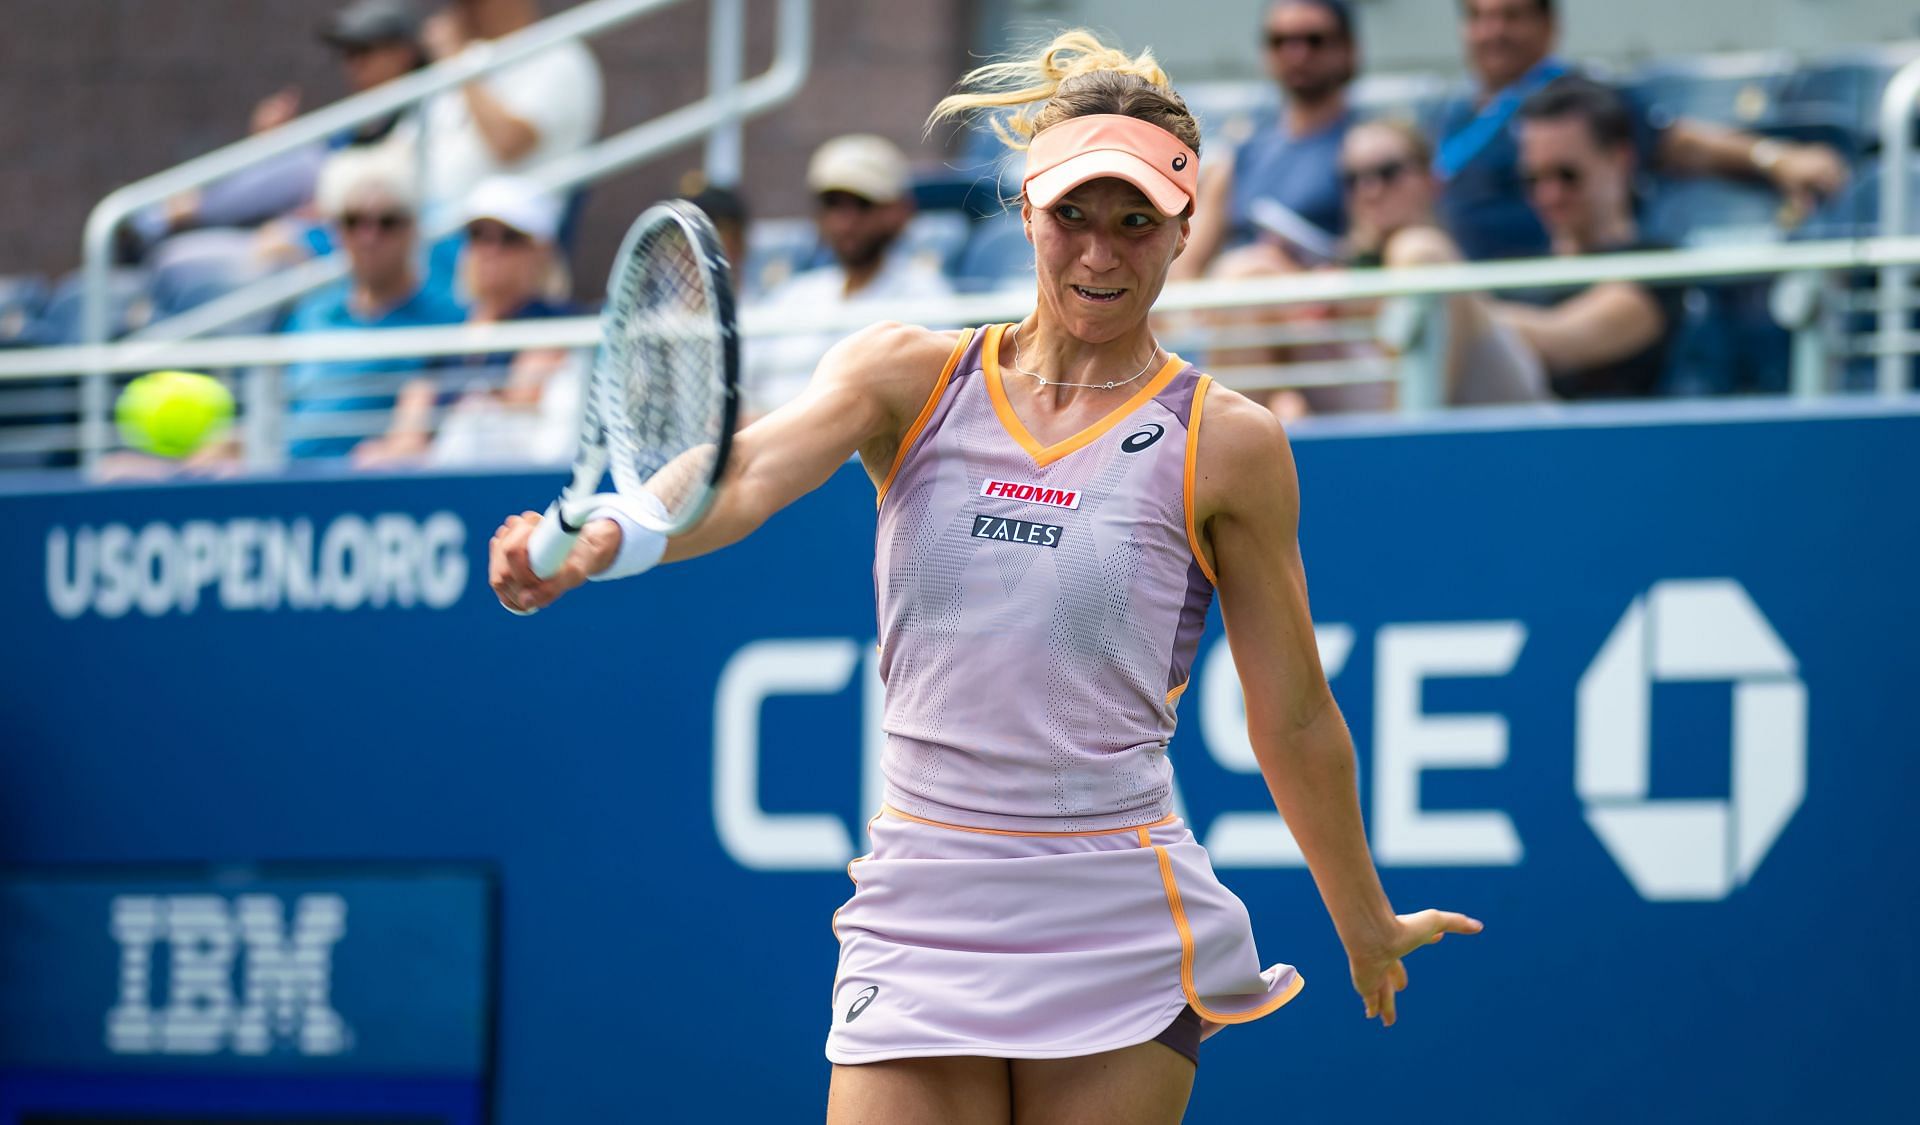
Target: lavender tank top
x,y
1039,607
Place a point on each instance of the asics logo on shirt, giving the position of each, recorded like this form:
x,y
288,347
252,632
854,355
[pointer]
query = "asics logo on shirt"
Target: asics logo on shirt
x,y
861,1001
1140,439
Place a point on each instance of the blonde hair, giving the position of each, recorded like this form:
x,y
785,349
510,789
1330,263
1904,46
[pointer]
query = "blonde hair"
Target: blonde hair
x,y
1074,76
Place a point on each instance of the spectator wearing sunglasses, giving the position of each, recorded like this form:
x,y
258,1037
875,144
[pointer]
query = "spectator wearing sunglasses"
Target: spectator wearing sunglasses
x,y
506,406
370,198
1279,186
1510,47
1577,159
1387,178
863,200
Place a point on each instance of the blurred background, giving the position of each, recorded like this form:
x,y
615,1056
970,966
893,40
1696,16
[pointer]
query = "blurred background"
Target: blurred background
x,y
1591,324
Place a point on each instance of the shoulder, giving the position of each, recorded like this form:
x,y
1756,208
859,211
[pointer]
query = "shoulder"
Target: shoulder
x,y
885,373
429,306
1243,458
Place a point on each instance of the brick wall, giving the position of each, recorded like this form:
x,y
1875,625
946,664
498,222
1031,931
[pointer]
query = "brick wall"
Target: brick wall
x,y
103,92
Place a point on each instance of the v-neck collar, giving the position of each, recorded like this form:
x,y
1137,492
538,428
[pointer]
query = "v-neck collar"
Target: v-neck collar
x,y
1017,430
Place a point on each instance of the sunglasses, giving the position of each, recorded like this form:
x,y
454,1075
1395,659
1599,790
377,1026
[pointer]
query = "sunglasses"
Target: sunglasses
x,y
497,234
1311,40
835,200
1352,179
386,222
1566,175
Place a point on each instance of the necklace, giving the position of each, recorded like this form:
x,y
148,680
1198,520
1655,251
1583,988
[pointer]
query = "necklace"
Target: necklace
x,y
1046,382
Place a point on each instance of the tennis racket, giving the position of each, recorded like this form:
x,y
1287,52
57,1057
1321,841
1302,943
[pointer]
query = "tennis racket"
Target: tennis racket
x,y
663,395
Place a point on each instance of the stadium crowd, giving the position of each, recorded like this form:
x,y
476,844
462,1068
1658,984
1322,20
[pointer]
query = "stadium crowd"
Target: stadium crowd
x,y
1534,157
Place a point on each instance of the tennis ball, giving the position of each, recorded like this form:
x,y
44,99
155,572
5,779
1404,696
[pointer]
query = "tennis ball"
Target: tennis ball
x,y
173,413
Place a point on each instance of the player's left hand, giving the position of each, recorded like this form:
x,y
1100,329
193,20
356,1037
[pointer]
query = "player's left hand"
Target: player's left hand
x,y
1377,971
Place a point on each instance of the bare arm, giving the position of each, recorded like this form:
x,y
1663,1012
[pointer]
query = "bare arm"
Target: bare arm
x,y
1208,231
508,137
1606,323
864,395
1805,174
1247,501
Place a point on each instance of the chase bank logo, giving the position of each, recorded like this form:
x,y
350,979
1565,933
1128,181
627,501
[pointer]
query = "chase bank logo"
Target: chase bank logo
x,y
283,979
1691,850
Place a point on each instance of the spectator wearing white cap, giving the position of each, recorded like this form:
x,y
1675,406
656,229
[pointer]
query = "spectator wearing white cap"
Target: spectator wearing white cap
x,y
509,272
370,198
862,188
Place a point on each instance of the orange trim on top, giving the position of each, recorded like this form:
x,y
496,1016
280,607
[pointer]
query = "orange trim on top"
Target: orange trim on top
x,y
926,415
1047,454
1193,456
1177,692
889,810
1172,888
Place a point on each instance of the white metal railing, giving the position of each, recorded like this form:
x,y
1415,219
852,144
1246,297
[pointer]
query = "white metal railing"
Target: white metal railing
x,y
1803,301
1897,108
714,116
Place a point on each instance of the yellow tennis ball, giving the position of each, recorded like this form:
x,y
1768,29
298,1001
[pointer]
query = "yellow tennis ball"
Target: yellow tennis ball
x,y
173,413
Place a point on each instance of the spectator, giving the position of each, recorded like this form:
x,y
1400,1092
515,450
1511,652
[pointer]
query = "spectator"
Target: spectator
x,y
1386,173
510,271
1283,176
1578,159
1509,45
512,119
728,210
861,186
376,41
371,199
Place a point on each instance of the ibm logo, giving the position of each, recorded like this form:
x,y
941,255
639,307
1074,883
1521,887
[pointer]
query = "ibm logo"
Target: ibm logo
x,y
284,979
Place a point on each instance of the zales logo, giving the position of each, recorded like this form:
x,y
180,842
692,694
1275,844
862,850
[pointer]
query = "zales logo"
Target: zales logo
x,y
284,979
1031,493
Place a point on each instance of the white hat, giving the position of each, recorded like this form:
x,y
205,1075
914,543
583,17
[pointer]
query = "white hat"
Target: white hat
x,y
360,172
862,164
518,204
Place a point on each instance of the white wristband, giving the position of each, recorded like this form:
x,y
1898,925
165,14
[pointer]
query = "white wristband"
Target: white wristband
x,y
640,546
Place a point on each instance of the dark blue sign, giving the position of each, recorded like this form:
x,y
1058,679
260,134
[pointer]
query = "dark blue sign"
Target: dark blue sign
x,y
1622,684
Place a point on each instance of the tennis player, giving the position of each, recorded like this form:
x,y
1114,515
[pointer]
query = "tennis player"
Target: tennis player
x,y
1035,937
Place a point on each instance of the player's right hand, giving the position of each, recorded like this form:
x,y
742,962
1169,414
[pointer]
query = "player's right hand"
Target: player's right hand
x,y
510,571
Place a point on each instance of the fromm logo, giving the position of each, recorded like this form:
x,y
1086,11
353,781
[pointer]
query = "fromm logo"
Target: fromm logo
x,y
1031,494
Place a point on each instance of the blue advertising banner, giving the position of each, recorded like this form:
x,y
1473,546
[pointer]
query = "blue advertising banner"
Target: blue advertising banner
x,y
1622,684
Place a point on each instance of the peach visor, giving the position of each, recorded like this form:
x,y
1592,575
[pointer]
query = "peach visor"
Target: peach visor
x,y
1064,156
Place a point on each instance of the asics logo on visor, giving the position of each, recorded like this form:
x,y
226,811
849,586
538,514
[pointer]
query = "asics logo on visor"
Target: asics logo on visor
x,y
860,1002
1180,162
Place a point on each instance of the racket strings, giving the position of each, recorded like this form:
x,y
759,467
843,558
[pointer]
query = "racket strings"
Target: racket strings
x,y
666,403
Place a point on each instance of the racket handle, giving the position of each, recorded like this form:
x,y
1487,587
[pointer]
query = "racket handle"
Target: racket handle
x,y
550,545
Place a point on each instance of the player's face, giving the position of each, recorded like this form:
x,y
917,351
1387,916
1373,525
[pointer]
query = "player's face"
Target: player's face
x,y
1505,38
1576,185
1306,51
1387,188
1101,253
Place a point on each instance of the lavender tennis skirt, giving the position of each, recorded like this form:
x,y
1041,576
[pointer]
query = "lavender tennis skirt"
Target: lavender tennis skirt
x,y
969,941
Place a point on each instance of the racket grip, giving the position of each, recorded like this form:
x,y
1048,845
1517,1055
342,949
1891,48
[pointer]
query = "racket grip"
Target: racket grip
x,y
550,545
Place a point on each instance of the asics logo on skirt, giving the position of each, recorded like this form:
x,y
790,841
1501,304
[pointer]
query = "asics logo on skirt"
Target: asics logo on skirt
x,y
861,1001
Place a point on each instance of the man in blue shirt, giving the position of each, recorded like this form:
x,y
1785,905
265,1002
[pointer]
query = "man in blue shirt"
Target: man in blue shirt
x,y
1510,49
1284,180
371,200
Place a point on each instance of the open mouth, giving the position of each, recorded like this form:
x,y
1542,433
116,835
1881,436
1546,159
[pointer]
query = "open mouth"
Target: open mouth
x,y
1099,296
